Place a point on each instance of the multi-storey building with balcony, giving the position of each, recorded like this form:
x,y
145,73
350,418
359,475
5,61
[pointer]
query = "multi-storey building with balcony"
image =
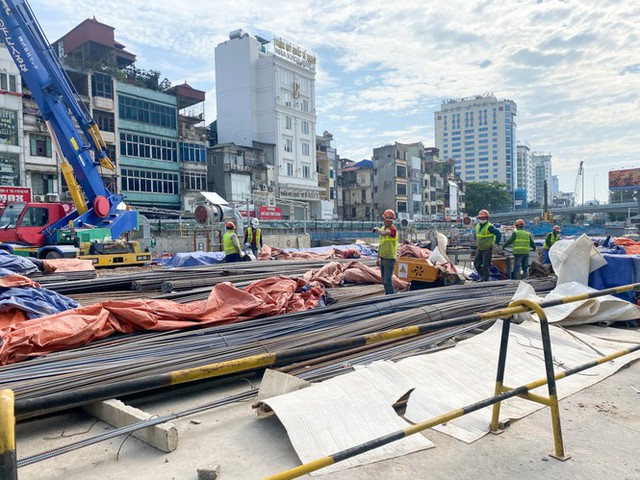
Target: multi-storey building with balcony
x,y
357,190
525,179
155,134
265,96
543,176
327,160
391,180
479,134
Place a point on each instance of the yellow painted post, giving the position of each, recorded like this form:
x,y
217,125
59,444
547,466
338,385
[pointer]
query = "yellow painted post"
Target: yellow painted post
x,y
8,461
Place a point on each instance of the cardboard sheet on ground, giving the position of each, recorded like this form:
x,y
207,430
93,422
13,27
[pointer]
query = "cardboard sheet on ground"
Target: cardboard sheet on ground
x,y
346,411
350,409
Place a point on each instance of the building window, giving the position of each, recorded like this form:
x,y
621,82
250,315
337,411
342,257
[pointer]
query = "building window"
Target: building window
x,y
286,98
144,111
8,83
104,121
402,207
193,152
193,181
101,85
288,145
363,194
287,78
289,169
288,122
306,171
305,149
134,180
148,147
401,172
304,105
304,127
40,146
401,189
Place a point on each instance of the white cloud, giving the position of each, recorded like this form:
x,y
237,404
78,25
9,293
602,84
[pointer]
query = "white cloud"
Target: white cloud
x,y
384,67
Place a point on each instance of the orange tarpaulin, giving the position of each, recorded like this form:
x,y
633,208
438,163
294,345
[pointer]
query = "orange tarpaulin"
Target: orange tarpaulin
x,y
61,265
413,251
225,304
334,273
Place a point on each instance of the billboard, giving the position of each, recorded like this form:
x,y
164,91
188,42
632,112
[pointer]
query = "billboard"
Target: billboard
x,y
628,179
14,194
270,213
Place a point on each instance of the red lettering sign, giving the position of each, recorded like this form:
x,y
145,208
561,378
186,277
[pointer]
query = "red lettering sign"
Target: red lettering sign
x,y
270,213
14,194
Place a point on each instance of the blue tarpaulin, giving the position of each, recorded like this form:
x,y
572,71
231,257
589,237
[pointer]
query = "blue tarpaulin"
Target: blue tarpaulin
x,y
619,270
35,302
17,264
191,259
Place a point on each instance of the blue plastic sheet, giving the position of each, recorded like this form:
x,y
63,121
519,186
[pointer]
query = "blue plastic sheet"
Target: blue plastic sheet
x,y
35,302
17,264
191,259
619,270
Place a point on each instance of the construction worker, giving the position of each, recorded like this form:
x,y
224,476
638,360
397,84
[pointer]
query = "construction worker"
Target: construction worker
x,y
232,249
522,243
388,250
253,237
486,237
551,238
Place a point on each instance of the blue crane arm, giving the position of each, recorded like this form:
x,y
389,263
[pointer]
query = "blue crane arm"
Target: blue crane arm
x,y
52,90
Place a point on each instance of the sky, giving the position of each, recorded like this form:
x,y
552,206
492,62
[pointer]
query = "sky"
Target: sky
x,y
384,67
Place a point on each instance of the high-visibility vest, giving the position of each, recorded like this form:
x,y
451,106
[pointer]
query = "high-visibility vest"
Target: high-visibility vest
x,y
388,245
484,239
521,244
553,238
227,242
258,236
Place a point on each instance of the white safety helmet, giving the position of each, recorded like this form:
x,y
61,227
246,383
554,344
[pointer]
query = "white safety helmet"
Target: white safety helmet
x,y
255,222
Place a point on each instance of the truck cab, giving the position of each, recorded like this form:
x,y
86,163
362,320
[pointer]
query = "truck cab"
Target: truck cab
x,y
24,223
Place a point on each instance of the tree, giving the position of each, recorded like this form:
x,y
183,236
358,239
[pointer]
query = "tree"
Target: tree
x,y
491,196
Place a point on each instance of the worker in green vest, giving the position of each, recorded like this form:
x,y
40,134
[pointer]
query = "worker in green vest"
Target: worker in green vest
x,y
388,250
486,237
522,242
253,237
232,249
551,238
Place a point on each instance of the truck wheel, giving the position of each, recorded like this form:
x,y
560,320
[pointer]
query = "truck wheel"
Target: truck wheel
x,y
52,255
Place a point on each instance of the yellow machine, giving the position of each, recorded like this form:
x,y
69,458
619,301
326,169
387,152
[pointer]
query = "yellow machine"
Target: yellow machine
x,y
114,254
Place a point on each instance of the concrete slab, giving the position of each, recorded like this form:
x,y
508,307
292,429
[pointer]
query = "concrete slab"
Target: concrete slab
x,y
601,427
164,437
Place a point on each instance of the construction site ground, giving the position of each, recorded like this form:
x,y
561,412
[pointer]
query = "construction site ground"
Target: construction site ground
x,y
600,426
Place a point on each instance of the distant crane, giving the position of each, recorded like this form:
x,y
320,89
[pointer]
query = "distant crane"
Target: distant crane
x,y
579,186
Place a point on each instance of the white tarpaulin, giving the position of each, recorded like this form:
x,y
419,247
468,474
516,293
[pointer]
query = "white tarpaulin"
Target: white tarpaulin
x,y
353,408
604,310
345,411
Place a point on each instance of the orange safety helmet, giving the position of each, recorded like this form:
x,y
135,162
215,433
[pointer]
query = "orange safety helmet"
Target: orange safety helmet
x,y
520,223
483,214
389,215
556,228
230,226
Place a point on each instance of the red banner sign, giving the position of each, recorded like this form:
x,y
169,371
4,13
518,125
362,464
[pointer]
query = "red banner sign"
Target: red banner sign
x,y
14,194
270,213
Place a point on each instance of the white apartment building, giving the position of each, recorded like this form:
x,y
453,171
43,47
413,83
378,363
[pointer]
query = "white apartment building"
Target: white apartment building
x,y
12,167
265,94
524,171
542,171
479,134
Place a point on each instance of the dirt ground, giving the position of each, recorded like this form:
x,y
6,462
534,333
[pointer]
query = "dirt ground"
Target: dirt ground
x,y
601,430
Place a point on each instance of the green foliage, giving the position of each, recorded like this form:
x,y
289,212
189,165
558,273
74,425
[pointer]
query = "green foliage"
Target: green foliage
x,y
491,196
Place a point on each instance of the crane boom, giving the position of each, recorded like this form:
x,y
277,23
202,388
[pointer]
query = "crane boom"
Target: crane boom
x,y
578,188
55,95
